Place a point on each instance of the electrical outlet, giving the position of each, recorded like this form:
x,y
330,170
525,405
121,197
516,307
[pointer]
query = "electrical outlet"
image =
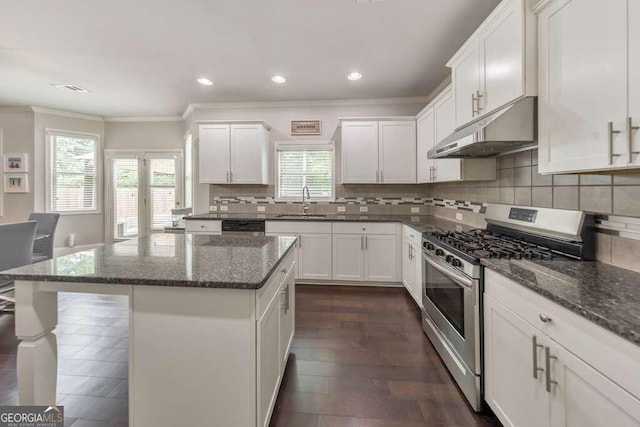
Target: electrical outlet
x,y
213,208
415,210
224,208
342,209
364,209
261,208
459,217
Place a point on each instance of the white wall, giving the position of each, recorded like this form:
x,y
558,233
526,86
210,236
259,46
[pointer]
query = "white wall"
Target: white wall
x,y
279,118
16,125
88,228
144,135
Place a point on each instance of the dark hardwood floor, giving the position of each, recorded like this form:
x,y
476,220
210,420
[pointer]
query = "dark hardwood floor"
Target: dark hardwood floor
x,y
360,358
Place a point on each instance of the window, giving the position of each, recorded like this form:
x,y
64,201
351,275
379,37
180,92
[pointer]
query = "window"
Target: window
x,y
188,172
74,160
301,164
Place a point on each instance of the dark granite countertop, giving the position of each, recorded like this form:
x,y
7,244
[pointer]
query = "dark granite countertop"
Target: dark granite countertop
x,y
421,223
235,262
606,295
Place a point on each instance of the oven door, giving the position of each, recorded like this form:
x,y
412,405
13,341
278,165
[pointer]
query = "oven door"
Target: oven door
x,y
450,300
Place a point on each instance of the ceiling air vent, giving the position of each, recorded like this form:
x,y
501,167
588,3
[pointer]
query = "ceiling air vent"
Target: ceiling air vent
x,y
71,88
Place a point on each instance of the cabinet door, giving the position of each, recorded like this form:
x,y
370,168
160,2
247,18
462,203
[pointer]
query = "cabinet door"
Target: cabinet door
x,y
288,310
248,154
417,266
380,258
348,260
515,396
269,331
583,85
314,257
360,152
214,154
397,152
408,270
444,114
425,136
585,398
503,51
466,83
634,79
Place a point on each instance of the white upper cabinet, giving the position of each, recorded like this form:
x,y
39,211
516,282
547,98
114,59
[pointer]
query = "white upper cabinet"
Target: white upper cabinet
x,y
378,151
397,148
235,153
634,82
214,154
435,123
497,65
584,85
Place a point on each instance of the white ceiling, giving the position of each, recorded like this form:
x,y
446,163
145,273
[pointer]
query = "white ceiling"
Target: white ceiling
x,y
142,57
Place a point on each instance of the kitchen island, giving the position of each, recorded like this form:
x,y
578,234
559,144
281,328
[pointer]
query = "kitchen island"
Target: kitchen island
x,y
210,326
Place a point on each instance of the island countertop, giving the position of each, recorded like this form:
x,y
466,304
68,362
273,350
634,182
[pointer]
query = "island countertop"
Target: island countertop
x,y
234,262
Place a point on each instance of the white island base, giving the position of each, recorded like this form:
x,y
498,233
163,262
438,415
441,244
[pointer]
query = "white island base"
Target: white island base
x,y
197,356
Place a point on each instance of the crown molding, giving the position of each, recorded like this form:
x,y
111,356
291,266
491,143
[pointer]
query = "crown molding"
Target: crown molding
x,y
63,113
145,119
309,103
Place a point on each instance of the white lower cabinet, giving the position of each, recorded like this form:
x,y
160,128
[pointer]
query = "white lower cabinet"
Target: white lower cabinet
x,y
379,258
348,260
412,264
546,366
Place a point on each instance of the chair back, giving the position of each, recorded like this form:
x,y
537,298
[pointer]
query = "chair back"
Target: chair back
x,y
47,223
16,244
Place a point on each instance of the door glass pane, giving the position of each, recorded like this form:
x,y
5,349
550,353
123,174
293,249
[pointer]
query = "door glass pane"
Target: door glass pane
x,y
125,198
447,296
162,192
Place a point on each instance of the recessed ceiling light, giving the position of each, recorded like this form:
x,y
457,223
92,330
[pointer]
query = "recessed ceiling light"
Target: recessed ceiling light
x,y
71,88
278,78
354,76
205,81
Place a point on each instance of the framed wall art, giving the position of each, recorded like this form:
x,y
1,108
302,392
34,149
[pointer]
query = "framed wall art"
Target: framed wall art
x,y
14,163
16,183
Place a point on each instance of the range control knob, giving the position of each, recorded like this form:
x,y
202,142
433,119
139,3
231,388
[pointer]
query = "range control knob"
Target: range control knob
x,y
456,262
429,246
439,252
449,259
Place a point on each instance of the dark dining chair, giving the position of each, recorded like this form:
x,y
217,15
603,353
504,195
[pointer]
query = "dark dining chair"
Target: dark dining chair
x,y
16,250
45,233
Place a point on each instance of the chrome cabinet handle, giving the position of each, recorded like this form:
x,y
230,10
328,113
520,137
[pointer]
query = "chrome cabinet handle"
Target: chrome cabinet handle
x,y
366,243
284,271
535,346
299,240
478,107
377,176
381,176
362,243
547,358
227,176
630,129
544,318
231,176
473,108
611,132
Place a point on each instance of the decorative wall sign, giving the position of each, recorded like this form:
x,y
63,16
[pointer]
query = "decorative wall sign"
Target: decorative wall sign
x,y
16,183
306,127
14,163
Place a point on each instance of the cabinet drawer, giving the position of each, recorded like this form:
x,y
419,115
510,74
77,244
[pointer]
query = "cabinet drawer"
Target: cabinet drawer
x,y
615,357
298,227
364,228
265,294
412,235
203,226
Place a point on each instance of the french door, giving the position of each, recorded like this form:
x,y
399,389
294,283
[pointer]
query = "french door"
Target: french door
x,y
143,188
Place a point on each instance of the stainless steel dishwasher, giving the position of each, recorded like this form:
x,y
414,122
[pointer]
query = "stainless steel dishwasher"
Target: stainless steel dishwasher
x,y
243,227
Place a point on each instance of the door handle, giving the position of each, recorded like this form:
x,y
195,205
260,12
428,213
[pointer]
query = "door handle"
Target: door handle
x,y
231,177
610,133
630,129
381,176
473,108
299,240
366,243
547,358
377,176
362,243
478,96
535,346
227,176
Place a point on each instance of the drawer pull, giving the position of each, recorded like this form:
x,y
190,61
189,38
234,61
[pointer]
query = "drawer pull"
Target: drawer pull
x,y
284,271
544,318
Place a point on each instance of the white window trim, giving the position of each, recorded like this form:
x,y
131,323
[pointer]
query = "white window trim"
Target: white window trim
x,y
305,145
49,133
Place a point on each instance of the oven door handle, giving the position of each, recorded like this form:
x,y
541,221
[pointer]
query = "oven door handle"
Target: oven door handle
x,y
436,263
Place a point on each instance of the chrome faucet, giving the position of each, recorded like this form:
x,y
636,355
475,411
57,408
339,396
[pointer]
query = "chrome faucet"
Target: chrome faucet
x,y
305,208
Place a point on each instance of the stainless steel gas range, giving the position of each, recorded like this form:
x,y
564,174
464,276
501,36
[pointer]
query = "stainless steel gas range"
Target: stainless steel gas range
x,y
452,284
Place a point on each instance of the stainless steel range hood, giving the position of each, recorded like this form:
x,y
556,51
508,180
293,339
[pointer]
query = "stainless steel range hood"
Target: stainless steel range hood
x,y
511,128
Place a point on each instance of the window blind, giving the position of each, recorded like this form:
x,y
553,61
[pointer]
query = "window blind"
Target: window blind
x,y
73,180
300,166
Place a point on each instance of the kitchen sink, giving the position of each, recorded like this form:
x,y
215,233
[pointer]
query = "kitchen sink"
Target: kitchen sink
x,y
301,216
